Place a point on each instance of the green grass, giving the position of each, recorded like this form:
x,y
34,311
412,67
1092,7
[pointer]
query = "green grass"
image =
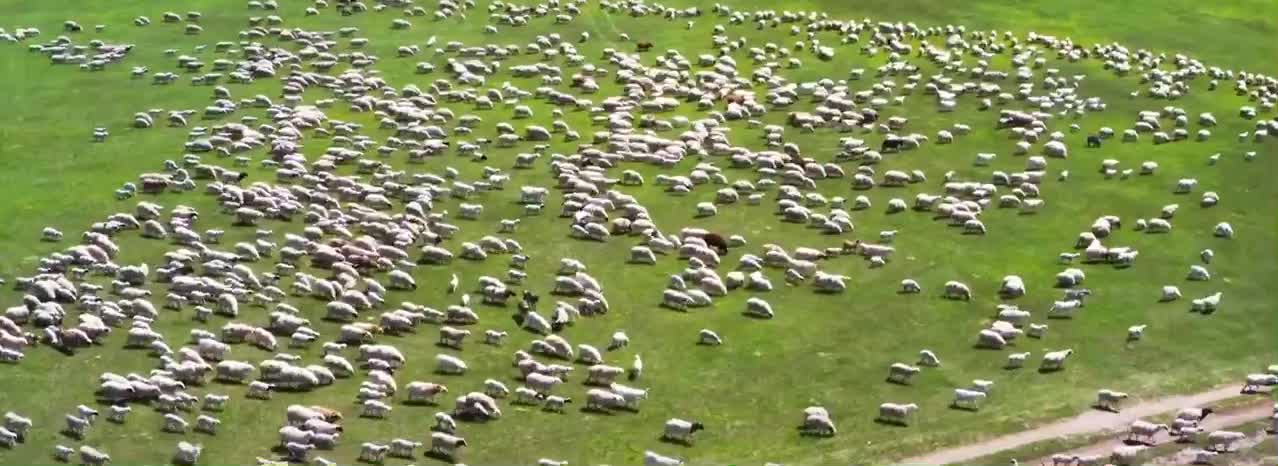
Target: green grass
x,y
829,350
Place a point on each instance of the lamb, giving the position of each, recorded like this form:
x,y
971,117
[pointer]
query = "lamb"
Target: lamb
x,y
1017,360
1108,400
897,413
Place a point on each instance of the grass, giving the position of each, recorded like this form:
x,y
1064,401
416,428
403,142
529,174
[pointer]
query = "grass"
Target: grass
x,y
829,350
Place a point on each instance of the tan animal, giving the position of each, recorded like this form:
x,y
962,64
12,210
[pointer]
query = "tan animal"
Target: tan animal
x,y
330,414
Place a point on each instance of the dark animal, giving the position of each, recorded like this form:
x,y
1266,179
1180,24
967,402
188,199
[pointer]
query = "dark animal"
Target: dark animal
x,y
893,145
644,46
1093,141
241,176
717,242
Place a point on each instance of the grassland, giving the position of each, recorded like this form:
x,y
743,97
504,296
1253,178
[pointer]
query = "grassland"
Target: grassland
x,y
830,350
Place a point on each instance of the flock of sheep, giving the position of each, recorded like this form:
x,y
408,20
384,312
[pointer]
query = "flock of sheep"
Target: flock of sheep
x,y
365,233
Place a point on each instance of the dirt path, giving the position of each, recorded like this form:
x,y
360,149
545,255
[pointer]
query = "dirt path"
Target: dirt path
x,y
1214,422
1089,422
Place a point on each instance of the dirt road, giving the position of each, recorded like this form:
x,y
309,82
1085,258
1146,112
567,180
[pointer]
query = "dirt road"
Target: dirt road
x,y
1090,422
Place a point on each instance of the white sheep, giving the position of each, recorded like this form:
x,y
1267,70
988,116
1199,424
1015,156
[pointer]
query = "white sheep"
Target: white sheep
x,y
1109,399
897,413
1055,360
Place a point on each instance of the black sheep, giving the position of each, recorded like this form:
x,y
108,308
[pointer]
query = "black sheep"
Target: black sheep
x,y
717,242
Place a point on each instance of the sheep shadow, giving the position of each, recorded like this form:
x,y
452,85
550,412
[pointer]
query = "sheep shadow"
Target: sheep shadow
x,y
755,316
958,407
597,411
889,422
432,454
674,441
1048,370
903,383
419,403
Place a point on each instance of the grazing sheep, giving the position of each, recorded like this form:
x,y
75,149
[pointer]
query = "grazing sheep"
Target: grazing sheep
x,y
928,359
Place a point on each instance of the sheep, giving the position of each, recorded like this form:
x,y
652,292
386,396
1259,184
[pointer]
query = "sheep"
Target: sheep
x,y
909,286
93,457
651,458
76,426
423,392
1126,455
1170,293
1136,332
957,290
1055,360
1223,440
1108,400
968,399
1016,360
1223,230
187,453
174,423
1206,305
679,430
1256,381
448,364
446,444
894,413
373,452
403,448
375,409
927,358
757,307
1198,273
1146,430
207,424
901,373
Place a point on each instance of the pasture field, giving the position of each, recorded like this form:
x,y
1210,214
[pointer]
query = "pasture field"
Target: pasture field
x,y
820,349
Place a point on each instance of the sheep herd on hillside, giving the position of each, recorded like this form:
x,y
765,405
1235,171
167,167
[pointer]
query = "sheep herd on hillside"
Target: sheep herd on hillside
x,y
367,232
